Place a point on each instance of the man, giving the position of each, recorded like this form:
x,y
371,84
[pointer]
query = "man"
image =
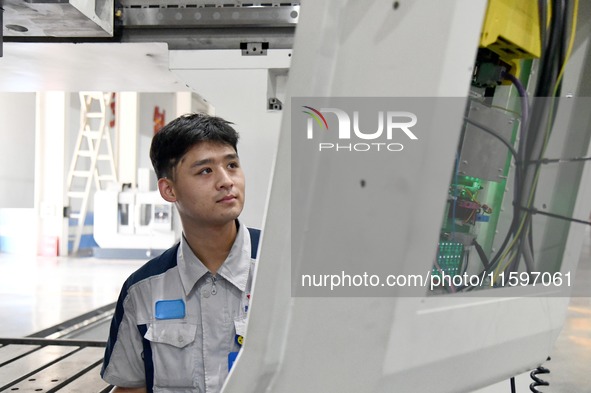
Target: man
x,y
180,319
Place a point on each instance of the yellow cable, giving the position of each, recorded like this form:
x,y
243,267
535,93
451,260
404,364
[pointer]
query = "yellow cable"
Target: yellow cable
x,y
508,250
506,265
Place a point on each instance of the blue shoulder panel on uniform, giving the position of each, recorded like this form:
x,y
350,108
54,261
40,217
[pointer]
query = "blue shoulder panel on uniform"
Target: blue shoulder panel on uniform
x,y
255,235
148,360
154,267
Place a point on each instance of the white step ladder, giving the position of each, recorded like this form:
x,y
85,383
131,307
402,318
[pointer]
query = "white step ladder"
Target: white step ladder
x,y
92,159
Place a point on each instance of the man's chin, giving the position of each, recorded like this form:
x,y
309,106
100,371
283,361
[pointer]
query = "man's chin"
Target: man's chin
x,y
230,216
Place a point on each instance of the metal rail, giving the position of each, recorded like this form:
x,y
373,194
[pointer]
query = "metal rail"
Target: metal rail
x,y
53,361
63,328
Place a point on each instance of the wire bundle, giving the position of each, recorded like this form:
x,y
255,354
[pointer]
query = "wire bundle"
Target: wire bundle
x,y
537,121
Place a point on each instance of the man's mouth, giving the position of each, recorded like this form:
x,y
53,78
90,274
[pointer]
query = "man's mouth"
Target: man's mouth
x,y
227,198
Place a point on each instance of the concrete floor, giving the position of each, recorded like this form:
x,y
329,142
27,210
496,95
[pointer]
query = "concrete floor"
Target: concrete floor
x,y
37,293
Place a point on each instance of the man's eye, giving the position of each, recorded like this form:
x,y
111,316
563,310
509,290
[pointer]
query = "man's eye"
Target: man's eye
x,y
204,171
233,165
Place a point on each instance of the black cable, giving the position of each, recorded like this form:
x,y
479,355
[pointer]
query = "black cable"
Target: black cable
x,y
556,160
489,265
517,194
545,81
485,263
543,15
466,261
537,381
530,239
481,254
519,170
524,101
513,390
1,30
525,108
533,210
548,61
564,38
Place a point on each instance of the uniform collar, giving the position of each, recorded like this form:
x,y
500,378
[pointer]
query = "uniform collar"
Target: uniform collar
x,y
235,268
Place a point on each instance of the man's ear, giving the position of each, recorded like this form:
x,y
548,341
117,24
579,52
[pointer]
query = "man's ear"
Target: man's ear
x,y
166,190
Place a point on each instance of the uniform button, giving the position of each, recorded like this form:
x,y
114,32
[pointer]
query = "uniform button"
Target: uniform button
x,y
181,339
205,293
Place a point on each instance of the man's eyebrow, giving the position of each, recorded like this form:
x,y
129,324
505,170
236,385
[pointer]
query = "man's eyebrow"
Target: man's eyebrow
x,y
202,162
205,161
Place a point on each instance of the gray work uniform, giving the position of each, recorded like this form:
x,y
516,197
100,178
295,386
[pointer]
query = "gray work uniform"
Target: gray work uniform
x,y
176,324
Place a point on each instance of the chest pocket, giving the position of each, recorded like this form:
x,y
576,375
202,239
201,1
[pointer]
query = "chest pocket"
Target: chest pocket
x,y
174,351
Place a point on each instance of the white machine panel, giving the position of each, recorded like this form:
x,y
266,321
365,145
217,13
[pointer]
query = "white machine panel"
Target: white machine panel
x,y
328,344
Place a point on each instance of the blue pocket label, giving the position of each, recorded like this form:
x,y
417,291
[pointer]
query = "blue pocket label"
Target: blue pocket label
x,y
170,309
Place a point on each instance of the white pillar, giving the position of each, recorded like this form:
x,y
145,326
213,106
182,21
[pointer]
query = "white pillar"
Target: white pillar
x,y
50,167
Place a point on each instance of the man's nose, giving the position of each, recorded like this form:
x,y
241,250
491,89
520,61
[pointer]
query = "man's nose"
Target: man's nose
x,y
225,180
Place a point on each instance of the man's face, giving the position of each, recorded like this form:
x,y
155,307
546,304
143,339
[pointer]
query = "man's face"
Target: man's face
x,y
208,185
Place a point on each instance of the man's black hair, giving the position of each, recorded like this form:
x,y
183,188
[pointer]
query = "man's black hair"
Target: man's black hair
x,y
173,140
